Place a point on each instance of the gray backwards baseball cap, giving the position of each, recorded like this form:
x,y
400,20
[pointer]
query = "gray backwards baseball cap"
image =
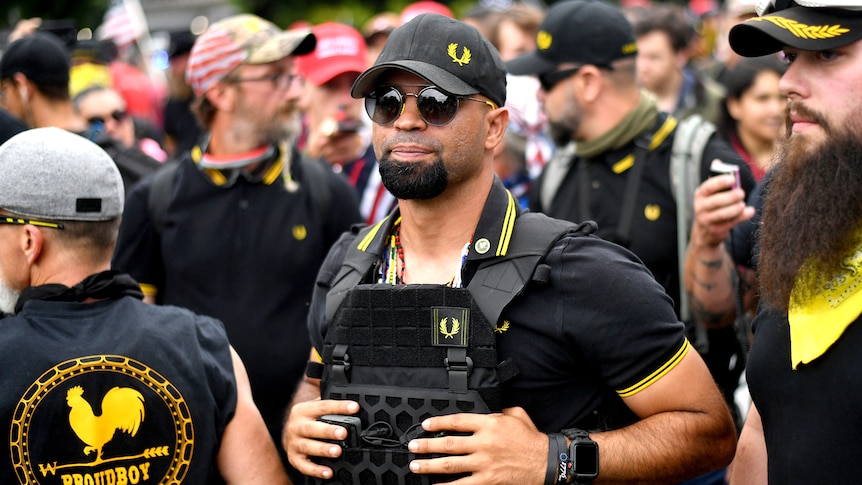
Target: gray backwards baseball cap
x,y
49,173
450,54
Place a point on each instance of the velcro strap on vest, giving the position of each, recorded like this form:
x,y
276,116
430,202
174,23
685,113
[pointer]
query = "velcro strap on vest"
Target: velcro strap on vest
x,y
459,366
340,364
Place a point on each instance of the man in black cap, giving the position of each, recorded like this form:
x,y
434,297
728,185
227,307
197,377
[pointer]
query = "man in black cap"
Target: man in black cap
x,y
34,87
461,336
620,173
804,368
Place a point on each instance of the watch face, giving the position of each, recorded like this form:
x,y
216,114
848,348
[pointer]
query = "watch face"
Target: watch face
x,y
586,460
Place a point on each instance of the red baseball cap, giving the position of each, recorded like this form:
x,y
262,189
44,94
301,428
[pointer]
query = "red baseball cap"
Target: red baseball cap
x,y
415,9
340,49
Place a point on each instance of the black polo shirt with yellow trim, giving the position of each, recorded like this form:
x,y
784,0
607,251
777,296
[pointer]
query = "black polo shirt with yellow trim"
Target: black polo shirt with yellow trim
x,y
652,236
599,330
244,252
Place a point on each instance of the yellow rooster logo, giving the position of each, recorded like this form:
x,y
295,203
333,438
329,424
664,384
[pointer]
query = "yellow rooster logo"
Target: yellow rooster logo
x,y
444,327
465,54
122,409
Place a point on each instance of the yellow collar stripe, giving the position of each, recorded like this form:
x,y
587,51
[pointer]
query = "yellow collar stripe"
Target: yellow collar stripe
x,y
508,226
657,138
366,241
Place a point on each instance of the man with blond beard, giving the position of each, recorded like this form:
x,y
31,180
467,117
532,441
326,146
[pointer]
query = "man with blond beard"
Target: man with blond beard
x,y
242,234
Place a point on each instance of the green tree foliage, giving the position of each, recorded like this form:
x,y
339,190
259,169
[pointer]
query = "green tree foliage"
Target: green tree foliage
x,y
76,13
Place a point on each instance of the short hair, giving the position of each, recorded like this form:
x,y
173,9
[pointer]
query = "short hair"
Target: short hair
x,y
670,19
526,17
97,238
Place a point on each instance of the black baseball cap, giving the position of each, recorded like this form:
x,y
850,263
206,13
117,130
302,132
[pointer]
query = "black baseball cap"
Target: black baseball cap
x,y
579,32
42,57
450,54
798,26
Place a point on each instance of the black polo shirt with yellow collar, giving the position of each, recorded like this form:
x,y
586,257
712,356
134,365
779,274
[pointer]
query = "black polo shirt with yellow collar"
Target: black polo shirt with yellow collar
x,y
652,236
600,329
245,249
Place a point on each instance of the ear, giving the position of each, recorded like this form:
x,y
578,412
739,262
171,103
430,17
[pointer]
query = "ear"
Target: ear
x,y
31,243
222,96
734,108
589,83
23,84
498,121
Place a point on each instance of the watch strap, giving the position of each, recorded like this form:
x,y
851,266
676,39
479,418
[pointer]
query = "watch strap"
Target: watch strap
x,y
580,438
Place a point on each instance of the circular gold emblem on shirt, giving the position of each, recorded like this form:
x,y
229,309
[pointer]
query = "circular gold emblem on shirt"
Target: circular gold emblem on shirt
x,y
83,452
483,245
652,212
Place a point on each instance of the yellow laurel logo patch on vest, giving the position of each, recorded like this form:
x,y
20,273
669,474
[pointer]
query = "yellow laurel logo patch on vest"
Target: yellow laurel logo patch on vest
x,y
502,328
803,31
544,40
465,58
652,212
451,326
456,326
300,232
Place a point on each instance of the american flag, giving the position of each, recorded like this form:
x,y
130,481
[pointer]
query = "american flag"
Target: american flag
x,y
124,22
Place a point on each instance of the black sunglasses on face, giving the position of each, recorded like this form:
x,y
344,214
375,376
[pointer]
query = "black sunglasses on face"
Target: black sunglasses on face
x,y
117,115
18,221
550,79
436,107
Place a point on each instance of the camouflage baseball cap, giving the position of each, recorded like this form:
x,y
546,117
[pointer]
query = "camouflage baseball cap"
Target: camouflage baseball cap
x,y
241,39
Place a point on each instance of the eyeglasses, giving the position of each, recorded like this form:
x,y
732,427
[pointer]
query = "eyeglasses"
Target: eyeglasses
x,y
550,79
118,116
436,107
279,80
17,221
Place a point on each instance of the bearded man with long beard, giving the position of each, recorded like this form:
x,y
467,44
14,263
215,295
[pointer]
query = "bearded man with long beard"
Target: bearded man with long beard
x,y
244,230
803,370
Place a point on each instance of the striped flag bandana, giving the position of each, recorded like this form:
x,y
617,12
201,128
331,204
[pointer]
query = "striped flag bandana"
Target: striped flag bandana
x,y
241,39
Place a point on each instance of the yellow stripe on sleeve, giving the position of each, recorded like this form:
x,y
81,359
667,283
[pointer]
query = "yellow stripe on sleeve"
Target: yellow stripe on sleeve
x,y
655,376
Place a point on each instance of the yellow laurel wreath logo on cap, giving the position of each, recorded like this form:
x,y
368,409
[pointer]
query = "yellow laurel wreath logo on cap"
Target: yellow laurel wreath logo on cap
x,y
543,40
803,31
465,55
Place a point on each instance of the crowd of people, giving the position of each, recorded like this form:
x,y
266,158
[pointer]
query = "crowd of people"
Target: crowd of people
x,y
523,244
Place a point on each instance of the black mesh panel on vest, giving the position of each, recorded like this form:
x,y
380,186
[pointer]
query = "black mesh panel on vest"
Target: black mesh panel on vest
x,y
402,352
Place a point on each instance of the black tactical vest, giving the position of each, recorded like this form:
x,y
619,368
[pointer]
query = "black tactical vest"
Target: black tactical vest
x,y
409,352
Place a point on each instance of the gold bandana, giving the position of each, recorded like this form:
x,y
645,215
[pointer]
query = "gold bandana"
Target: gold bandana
x,y
818,323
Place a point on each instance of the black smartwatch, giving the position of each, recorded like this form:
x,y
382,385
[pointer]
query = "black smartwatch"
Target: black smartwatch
x,y
584,455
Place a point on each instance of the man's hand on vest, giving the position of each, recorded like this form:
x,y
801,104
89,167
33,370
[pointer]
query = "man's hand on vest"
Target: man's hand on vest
x,y
305,435
501,449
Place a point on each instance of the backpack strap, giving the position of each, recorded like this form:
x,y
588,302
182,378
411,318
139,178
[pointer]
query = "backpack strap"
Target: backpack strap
x,y
160,195
316,181
690,140
498,281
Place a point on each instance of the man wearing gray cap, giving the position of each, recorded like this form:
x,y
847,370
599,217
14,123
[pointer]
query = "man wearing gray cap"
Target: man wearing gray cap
x,y
460,336
805,365
97,386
